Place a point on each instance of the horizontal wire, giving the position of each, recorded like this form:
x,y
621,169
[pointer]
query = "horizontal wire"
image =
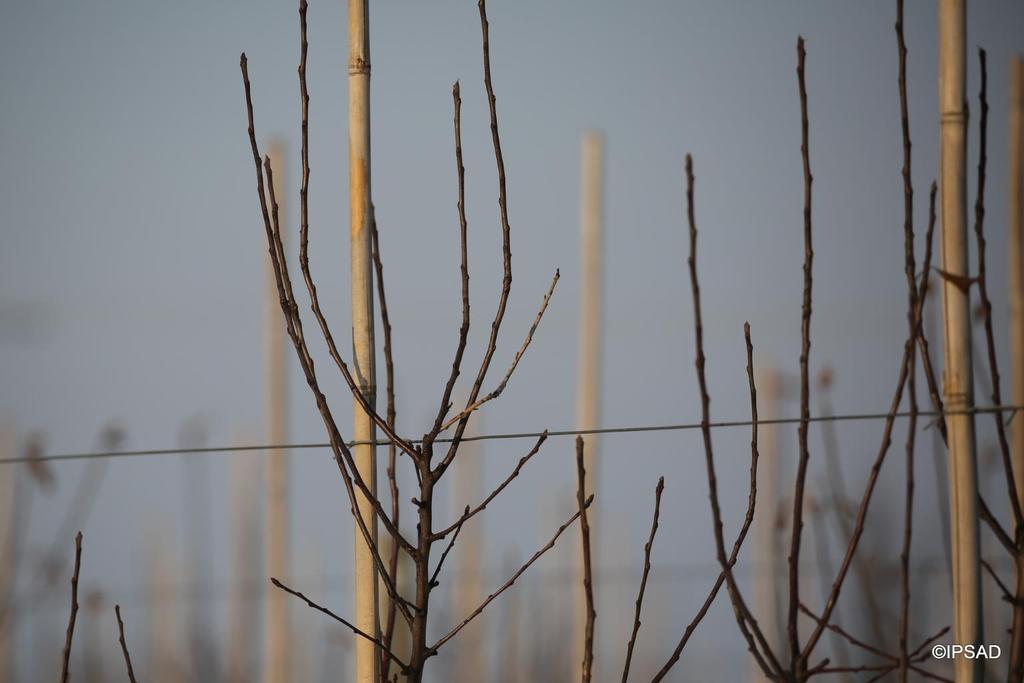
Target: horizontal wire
x,y
853,417
256,588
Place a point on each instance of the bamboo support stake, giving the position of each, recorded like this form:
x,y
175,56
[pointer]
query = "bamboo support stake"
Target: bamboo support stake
x,y
366,590
276,626
958,377
1016,245
588,388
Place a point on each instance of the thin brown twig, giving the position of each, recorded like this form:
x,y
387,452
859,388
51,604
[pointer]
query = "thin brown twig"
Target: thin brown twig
x,y
460,347
824,557
448,549
922,340
865,502
1003,588
986,303
293,321
343,456
997,529
391,416
740,537
1015,670
506,233
876,467
472,512
856,642
744,619
690,629
515,359
798,662
588,581
508,584
928,641
124,645
341,620
66,662
643,579
914,327
842,513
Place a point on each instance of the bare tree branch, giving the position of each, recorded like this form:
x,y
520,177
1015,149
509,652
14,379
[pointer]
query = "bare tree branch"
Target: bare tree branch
x,y
448,548
460,348
588,579
124,645
515,360
849,638
508,584
914,327
343,456
506,234
66,663
756,642
352,627
986,303
740,537
643,579
468,513
391,413
799,663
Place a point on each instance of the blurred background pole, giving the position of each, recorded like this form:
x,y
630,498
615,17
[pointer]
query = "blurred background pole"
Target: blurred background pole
x,y
468,587
243,611
588,387
161,565
276,626
958,378
367,659
8,556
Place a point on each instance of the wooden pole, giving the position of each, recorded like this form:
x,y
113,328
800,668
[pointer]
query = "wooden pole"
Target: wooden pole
x,y
161,566
588,378
469,592
8,556
366,591
1016,246
244,614
766,600
276,626
958,377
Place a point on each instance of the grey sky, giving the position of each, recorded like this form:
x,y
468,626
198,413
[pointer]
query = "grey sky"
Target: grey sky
x,y
131,271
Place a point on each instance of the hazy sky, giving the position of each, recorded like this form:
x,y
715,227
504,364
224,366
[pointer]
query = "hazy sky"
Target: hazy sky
x,y
131,272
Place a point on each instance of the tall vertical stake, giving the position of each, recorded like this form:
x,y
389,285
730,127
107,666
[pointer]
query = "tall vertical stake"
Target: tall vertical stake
x,y
1016,244
276,626
588,378
367,659
958,380
469,591
8,552
243,614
